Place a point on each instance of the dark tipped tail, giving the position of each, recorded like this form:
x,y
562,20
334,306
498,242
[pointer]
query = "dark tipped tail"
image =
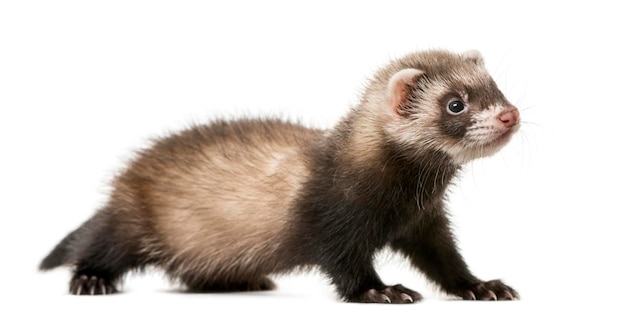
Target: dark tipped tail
x,y
60,255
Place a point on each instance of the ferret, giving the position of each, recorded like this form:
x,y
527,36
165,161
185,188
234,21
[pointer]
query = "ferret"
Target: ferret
x,y
221,206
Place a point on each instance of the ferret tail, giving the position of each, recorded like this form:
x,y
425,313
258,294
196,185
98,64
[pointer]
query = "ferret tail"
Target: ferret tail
x,y
61,253
64,252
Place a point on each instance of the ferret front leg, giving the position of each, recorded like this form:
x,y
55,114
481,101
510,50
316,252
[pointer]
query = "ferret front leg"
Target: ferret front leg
x,y
357,281
430,247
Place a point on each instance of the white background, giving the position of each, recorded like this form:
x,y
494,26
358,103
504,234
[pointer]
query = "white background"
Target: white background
x,y
83,84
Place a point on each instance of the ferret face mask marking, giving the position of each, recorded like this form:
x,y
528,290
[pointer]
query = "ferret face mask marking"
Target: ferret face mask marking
x,y
460,111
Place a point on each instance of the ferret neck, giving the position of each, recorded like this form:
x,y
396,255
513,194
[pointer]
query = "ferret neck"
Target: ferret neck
x,y
361,145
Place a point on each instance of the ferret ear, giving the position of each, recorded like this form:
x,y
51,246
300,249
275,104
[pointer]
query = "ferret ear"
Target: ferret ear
x,y
474,56
400,86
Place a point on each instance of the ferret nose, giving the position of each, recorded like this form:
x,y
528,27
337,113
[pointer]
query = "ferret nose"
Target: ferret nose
x,y
509,117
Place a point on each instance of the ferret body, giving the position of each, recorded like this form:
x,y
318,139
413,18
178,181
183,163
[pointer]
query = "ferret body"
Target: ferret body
x,y
219,207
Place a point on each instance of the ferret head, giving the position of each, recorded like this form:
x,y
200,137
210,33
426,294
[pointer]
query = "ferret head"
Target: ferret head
x,y
447,102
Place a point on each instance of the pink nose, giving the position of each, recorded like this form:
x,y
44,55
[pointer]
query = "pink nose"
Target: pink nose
x,y
509,117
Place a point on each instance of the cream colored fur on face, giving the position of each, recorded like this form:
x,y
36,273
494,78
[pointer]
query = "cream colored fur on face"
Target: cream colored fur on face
x,y
419,130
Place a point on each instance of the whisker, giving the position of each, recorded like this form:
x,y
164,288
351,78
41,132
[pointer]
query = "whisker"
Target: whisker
x,y
530,123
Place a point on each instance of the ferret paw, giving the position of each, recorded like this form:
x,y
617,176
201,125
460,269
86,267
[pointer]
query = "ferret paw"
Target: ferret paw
x,y
84,285
390,294
493,290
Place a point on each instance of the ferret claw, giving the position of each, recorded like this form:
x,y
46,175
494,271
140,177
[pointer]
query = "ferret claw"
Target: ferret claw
x,y
490,291
84,285
390,294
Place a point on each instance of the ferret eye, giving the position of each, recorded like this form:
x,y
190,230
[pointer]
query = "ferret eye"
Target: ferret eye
x,y
455,107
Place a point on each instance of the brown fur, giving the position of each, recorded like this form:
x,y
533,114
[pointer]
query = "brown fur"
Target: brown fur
x,y
202,205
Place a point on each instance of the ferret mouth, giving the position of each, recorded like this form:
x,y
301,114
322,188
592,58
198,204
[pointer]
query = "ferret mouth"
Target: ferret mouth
x,y
486,144
503,137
